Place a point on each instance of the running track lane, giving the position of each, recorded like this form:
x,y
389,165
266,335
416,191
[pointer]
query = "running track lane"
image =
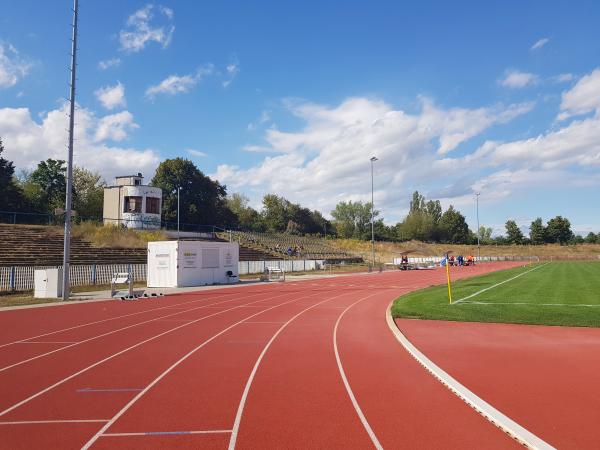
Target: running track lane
x,y
545,378
321,287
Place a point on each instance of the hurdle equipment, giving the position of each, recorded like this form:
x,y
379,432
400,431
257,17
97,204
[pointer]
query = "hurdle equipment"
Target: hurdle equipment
x,y
122,278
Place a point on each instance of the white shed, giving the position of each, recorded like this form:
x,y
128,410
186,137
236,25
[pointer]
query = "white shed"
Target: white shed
x,y
192,263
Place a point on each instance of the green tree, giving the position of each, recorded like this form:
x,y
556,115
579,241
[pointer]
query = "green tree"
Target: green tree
x,y
11,195
513,232
90,192
453,227
591,238
202,200
247,218
275,213
485,235
45,187
423,219
558,230
352,220
537,232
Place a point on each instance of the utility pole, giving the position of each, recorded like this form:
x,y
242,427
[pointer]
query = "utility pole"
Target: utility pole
x,y
373,159
66,288
478,229
178,191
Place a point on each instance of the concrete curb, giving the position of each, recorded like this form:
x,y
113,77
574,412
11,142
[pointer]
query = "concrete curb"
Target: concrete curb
x,y
498,419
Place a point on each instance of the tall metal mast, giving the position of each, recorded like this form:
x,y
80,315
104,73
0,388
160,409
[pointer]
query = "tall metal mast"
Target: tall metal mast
x,y
69,195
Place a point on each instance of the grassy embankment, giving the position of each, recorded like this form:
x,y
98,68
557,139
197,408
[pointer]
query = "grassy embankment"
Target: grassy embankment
x,y
387,251
557,293
116,237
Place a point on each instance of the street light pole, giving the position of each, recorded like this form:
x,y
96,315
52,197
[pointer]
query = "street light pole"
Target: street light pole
x,y
373,159
178,191
478,229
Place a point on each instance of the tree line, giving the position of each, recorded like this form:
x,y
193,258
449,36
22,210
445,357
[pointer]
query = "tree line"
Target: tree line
x,y
204,201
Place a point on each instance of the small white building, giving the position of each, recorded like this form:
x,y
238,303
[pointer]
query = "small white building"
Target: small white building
x,y
192,263
132,204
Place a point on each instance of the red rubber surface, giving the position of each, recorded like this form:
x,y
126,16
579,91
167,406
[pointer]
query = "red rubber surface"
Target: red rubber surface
x,y
197,351
544,378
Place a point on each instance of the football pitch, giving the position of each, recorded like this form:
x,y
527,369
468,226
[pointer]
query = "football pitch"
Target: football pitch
x,y
555,293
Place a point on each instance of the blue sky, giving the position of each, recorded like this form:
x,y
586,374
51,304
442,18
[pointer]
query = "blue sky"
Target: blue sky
x,y
295,97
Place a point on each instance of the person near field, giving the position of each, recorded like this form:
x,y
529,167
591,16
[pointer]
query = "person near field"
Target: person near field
x,y
460,260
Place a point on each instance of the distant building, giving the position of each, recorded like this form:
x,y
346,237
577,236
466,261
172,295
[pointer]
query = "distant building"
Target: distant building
x,y
132,204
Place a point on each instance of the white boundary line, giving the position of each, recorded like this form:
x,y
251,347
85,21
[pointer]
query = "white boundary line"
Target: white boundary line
x,y
240,410
104,320
498,284
522,435
156,319
37,422
174,365
114,355
357,408
532,304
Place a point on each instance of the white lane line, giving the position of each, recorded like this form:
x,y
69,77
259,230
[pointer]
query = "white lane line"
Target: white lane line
x,y
505,423
262,322
107,320
532,304
166,433
114,355
498,284
240,411
357,408
156,319
48,342
36,422
173,366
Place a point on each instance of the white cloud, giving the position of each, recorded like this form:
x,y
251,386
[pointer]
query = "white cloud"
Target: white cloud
x,y
264,118
141,29
175,84
327,160
196,153
540,43
515,79
115,127
28,141
231,70
583,98
563,78
13,67
109,63
112,97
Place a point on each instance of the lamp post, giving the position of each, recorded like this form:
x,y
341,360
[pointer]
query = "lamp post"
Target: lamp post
x,y
178,191
373,159
478,229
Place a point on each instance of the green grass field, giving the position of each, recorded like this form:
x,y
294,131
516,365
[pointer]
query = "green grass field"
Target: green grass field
x,y
559,293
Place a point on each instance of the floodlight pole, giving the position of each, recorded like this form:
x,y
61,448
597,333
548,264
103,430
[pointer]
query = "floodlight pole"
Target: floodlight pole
x,y
373,159
69,194
478,229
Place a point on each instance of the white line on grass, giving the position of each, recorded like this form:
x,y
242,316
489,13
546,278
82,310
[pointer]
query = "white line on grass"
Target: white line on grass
x,y
497,284
532,304
174,365
357,408
240,411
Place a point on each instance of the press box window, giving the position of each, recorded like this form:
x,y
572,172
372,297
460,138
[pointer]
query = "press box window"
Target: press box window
x,y
152,205
133,204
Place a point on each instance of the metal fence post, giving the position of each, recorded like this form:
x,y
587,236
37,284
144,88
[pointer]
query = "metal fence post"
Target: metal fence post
x,y
94,274
12,278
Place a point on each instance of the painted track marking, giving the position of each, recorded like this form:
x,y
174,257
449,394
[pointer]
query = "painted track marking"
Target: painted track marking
x,y
173,366
494,416
166,433
36,422
102,321
114,355
498,284
33,358
357,408
240,411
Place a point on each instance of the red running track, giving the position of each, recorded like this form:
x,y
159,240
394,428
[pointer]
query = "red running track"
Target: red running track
x,y
307,364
